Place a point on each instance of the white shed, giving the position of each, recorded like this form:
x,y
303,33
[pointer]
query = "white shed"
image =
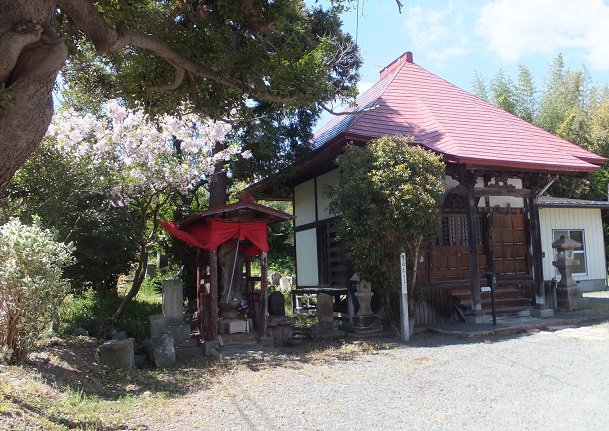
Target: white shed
x,y
581,221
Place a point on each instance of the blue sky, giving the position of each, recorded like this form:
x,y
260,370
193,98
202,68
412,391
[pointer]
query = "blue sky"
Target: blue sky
x,y
454,39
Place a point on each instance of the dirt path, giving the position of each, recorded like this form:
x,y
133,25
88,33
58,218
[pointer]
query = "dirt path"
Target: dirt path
x,y
544,380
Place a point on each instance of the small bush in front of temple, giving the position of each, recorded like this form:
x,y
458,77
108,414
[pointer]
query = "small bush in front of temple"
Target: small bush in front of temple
x,y
31,285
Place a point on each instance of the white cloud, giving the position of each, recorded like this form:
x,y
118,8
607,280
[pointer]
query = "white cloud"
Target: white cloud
x,y
364,86
514,29
439,34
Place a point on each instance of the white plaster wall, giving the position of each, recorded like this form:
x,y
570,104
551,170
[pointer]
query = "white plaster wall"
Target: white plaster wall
x,y
304,203
588,219
306,258
330,178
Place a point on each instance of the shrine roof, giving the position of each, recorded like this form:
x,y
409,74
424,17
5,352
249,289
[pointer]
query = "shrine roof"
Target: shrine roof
x,y
245,206
411,101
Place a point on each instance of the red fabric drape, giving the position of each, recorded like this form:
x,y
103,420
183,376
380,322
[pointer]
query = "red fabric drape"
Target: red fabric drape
x,y
212,233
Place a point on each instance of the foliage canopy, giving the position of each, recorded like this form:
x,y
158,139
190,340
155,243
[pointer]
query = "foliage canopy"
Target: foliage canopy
x,y
388,199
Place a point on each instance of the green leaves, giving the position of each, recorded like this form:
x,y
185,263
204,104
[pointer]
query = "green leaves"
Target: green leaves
x,y
388,198
31,285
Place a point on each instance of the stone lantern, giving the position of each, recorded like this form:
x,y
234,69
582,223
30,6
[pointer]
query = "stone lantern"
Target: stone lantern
x,y
568,294
365,321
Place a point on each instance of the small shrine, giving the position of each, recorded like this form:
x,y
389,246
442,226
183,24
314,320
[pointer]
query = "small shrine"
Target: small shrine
x,y
230,302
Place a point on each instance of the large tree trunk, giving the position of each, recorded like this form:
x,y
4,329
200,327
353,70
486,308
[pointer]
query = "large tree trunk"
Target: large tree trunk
x,y
31,55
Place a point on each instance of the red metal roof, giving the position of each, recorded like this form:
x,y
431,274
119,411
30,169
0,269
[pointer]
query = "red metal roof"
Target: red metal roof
x,y
412,101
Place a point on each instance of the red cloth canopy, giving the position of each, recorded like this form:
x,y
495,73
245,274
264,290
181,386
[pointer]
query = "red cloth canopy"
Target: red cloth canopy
x,y
211,233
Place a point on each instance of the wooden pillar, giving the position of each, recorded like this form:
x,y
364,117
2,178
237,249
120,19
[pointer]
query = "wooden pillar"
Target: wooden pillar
x,y
536,249
200,292
212,317
264,297
473,239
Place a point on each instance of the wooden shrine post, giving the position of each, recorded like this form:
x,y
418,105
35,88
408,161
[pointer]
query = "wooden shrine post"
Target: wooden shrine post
x,y
212,317
264,299
473,239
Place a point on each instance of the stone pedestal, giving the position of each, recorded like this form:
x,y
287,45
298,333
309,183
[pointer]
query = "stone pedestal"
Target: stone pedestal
x,y
234,326
280,329
570,298
364,298
365,325
173,302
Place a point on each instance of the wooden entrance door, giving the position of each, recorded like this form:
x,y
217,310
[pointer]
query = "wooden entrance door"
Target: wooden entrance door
x,y
508,244
450,253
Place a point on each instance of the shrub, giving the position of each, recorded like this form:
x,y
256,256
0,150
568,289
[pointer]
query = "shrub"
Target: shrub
x,y
31,285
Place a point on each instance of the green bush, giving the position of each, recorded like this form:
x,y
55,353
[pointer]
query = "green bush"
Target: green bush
x,y
31,285
94,312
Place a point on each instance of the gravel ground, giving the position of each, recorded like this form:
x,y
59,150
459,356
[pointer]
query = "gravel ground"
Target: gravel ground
x,y
540,380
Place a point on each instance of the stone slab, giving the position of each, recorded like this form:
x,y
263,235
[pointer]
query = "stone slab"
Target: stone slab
x,y
173,302
157,324
325,307
117,353
163,350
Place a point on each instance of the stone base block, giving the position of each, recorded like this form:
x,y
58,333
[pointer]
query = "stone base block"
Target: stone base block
x,y
117,353
478,319
542,314
179,332
366,321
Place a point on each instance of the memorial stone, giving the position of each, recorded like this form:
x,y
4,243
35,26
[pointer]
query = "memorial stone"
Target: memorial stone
x,y
325,307
173,302
276,304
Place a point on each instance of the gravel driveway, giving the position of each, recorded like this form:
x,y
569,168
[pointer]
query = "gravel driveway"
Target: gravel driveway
x,y
542,381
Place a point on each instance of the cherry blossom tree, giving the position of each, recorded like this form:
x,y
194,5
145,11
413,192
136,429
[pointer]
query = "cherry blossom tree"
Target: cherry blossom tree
x,y
147,162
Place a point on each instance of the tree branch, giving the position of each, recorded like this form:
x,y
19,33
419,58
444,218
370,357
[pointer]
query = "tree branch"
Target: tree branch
x,y
161,88
355,112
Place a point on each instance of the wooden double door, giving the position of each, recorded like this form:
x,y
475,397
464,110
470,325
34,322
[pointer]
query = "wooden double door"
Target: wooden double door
x,y
502,246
